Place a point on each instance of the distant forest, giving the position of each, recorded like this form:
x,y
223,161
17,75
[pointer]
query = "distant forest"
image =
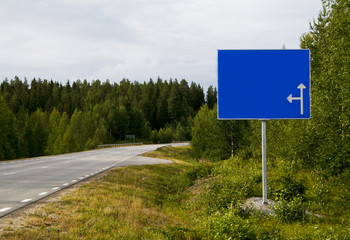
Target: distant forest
x,y
47,117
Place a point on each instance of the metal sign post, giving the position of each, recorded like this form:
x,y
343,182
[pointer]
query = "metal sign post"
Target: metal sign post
x,y
264,164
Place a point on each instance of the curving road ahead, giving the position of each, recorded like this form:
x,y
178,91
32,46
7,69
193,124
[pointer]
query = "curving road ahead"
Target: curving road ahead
x,y
25,181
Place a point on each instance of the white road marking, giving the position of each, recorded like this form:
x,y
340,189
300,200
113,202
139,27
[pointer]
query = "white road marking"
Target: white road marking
x,y
55,188
26,200
81,178
43,193
66,162
74,181
5,209
11,173
65,184
86,175
45,167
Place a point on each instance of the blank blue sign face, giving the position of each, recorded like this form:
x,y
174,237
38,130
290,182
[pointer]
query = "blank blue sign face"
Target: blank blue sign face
x,y
263,84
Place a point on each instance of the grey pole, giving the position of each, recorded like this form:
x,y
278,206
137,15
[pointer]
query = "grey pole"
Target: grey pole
x,y
264,167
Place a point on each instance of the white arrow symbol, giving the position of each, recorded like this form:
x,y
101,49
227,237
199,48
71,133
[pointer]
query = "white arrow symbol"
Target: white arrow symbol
x,y
290,98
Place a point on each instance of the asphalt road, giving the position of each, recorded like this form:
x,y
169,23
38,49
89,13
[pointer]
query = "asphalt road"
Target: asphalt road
x,y
28,180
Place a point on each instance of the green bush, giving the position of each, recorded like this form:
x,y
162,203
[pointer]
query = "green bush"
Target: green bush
x,y
221,195
199,171
165,135
187,178
289,187
178,232
179,183
227,192
236,180
288,211
270,233
229,226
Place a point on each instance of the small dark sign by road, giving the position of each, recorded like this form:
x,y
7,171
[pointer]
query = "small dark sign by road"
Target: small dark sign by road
x,y
129,137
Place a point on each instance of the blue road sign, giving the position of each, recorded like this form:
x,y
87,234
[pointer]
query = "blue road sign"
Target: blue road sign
x,y
264,84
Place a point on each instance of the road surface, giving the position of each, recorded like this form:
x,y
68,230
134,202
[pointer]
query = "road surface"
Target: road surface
x,y
25,181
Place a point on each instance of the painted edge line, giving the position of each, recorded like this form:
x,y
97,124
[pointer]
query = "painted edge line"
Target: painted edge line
x,y
4,209
11,173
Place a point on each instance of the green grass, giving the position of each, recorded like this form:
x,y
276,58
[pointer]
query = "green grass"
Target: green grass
x,y
191,200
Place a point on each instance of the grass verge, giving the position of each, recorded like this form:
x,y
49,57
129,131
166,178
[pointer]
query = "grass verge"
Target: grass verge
x,y
127,203
191,200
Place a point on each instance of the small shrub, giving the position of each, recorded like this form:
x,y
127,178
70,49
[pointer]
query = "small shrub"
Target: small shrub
x,y
184,180
289,211
222,194
177,232
179,183
229,226
272,233
228,191
199,171
290,187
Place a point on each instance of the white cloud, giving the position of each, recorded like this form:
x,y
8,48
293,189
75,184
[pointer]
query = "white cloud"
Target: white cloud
x,y
141,39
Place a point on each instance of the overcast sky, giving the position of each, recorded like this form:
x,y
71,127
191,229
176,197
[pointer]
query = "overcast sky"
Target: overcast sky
x,y
141,39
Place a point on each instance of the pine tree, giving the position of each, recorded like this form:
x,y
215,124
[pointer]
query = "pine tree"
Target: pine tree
x,y
58,146
197,96
174,103
211,98
36,134
54,122
7,133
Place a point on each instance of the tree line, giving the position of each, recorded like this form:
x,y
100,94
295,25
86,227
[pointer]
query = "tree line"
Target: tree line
x,y
321,143
47,117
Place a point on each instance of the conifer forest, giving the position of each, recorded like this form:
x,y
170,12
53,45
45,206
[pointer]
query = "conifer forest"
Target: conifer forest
x,y
45,117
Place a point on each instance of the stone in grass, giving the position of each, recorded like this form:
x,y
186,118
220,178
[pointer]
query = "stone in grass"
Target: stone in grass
x,y
256,204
